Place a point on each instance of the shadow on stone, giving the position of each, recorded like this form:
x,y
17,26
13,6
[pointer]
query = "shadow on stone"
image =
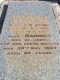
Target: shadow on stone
x,y
52,1
59,2
3,16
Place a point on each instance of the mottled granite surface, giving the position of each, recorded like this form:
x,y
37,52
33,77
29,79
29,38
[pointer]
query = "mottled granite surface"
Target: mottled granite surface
x,y
29,67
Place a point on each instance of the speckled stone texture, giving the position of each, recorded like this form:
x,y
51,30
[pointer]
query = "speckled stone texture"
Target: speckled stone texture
x,y
29,66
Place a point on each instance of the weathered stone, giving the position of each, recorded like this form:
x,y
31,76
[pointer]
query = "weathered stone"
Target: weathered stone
x,y
29,43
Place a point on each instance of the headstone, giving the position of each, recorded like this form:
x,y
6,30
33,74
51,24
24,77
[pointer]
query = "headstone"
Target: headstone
x,y
29,43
